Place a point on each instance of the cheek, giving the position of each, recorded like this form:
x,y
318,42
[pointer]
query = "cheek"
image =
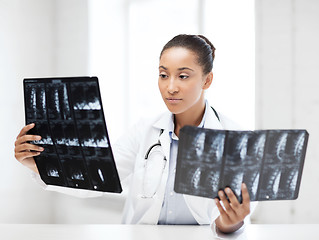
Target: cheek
x,y
193,91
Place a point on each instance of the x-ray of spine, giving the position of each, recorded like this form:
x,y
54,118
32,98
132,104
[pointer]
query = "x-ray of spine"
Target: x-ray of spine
x,y
268,161
58,102
235,153
84,97
69,117
91,135
253,161
35,99
87,106
203,156
283,155
243,161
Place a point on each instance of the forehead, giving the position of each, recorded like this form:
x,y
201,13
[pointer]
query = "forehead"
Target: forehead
x,y
179,57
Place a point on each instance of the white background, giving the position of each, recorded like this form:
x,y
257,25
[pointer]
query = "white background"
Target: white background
x,y
119,41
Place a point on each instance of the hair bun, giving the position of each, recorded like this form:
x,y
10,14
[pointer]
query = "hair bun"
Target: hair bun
x,y
209,43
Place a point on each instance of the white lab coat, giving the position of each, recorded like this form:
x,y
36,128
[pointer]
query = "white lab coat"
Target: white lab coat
x,y
129,153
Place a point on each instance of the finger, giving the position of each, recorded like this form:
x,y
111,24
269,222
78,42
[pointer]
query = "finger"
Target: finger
x,y
245,194
226,203
23,155
220,208
25,129
26,138
232,198
28,147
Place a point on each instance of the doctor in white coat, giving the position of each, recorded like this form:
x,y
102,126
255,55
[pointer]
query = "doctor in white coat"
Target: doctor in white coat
x,y
146,155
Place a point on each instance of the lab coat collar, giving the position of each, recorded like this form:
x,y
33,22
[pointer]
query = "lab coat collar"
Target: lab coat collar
x,y
165,121
211,120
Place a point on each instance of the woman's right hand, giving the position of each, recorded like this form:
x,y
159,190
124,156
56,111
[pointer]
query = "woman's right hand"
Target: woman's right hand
x,y
24,151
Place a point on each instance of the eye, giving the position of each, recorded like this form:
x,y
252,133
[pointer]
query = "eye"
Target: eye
x,y
183,76
162,75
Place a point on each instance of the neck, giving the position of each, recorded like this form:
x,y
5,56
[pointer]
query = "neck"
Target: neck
x,y
192,116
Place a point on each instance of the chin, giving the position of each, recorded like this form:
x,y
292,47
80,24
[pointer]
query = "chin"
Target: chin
x,y
174,109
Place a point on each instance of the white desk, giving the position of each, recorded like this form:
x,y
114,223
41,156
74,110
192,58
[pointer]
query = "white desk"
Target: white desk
x,y
149,232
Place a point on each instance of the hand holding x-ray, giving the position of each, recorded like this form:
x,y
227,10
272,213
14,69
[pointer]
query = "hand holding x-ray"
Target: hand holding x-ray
x,y
232,212
25,151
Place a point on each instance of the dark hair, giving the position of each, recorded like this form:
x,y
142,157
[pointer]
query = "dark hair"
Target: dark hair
x,y
198,44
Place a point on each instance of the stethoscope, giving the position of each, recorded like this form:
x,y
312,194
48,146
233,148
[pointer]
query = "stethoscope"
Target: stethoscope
x,y
150,194
146,158
153,146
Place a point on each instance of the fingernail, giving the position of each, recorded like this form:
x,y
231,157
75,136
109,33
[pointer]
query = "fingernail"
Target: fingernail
x,y
41,148
244,185
221,193
38,137
227,190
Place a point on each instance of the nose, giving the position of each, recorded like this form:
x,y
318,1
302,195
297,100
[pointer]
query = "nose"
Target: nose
x,y
172,86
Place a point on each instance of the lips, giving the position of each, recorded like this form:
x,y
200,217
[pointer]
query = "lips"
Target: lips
x,y
173,100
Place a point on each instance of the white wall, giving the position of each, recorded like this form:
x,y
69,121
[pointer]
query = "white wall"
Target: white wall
x,y
26,44
49,37
287,84
71,57
231,27
40,38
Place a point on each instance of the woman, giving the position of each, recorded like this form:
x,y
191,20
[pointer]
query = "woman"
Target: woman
x,y
185,72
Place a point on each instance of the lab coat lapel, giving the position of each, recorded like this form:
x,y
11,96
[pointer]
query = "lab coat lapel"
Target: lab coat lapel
x,y
165,141
165,123
155,204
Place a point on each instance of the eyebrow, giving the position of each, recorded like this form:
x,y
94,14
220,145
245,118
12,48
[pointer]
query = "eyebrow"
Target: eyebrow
x,y
163,67
180,69
185,68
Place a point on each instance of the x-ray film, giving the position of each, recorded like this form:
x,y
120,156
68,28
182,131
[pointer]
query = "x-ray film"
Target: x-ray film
x,y
269,162
69,117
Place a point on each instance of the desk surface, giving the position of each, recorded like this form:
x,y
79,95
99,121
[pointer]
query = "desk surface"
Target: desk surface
x,y
154,232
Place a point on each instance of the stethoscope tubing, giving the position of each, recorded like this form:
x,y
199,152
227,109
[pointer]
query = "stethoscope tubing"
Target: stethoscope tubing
x,y
150,149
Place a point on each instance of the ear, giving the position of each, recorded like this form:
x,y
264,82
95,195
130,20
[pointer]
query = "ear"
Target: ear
x,y
208,80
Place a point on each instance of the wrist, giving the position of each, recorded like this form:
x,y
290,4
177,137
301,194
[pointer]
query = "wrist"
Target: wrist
x,y
34,168
227,228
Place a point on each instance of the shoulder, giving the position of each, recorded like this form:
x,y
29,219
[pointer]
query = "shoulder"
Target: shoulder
x,y
159,121
228,123
148,125
219,120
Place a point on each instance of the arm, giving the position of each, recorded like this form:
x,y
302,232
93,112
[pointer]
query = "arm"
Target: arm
x,y
233,213
125,150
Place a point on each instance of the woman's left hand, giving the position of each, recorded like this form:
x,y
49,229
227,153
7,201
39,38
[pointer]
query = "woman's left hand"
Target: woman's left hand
x,y
233,213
